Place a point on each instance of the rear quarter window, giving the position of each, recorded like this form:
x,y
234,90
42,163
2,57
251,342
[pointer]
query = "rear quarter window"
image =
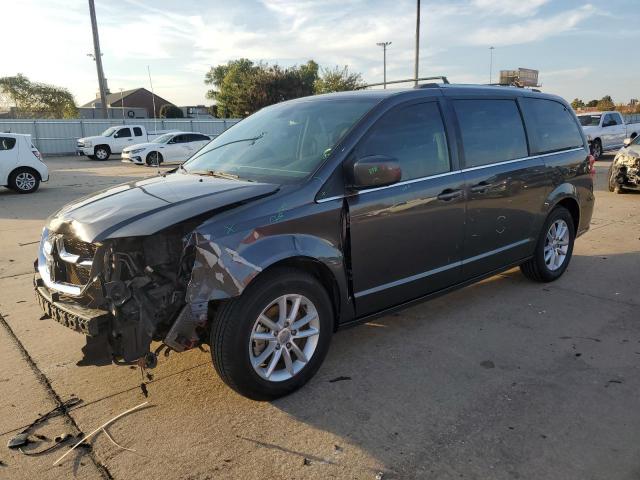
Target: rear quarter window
x,y
550,125
137,131
491,130
7,143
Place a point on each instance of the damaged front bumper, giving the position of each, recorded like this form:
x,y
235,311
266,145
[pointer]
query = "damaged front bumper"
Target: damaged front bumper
x,y
625,172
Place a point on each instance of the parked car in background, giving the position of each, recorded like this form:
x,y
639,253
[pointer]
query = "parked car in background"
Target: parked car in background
x,y
114,140
170,147
624,172
315,214
21,165
606,131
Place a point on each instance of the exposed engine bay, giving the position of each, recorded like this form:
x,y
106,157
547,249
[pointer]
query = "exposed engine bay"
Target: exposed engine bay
x,y
625,171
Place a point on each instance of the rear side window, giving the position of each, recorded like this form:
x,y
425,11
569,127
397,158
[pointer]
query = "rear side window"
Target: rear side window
x,y
123,133
137,131
491,130
415,136
550,125
7,143
180,139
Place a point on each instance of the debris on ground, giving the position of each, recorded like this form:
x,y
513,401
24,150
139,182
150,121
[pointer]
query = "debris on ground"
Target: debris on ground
x,y
379,475
22,438
487,364
101,428
341,378
306,462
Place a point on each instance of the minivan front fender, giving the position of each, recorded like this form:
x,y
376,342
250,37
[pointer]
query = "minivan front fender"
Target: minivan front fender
x,y
222,270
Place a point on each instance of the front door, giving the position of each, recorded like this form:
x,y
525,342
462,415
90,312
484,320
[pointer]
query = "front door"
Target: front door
x,y
121,139
406,239
505,188
614,131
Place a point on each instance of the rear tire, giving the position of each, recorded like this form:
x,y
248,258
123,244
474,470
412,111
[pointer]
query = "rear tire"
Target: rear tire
x,y
539,268
597,149
237,354
24,180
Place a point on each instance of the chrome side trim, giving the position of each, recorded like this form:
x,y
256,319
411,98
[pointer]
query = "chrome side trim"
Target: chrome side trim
x,y
428,273
470,169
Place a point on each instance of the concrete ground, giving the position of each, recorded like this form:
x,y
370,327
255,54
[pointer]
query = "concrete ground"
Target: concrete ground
x,y
505,379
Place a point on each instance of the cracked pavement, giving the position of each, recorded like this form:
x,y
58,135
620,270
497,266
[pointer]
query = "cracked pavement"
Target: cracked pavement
x,y
503,379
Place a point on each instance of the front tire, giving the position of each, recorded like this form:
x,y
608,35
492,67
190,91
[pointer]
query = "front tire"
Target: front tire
x,y
272,339
153,159
24,180
554,248
102,153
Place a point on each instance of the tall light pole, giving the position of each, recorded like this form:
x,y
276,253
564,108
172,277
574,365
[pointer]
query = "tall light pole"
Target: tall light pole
x,y
122,104
415,70
384,46
98,58
491,49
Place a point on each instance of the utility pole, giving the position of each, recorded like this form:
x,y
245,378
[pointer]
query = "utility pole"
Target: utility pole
x,y
491,49
122,104
415,71
384,46
98,58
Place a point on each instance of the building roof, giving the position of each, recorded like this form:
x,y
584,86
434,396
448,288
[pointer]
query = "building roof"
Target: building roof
x,y
116,97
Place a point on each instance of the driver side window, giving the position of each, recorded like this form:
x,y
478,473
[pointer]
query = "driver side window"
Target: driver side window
x,y
412,134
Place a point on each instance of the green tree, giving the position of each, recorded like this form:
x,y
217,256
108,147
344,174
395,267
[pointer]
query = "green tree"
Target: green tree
x,y
171,111
242,87
592,103
577,104
36,100
338,80
606,103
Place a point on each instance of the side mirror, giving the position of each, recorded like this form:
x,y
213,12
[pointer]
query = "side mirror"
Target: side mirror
x,y
375,171
627,142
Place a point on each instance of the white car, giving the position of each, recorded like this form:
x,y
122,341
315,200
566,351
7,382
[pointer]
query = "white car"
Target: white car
x,y
21,165
114,140
170,147
607,131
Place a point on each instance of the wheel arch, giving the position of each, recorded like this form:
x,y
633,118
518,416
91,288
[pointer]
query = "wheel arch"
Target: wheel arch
x,y
565,195
105,145
25,167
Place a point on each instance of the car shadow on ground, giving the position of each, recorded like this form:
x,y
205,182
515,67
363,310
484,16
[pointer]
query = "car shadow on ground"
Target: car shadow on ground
x,y
505,376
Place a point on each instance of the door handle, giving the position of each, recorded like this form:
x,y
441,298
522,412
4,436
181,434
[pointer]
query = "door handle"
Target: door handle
x,y
449,194
481,187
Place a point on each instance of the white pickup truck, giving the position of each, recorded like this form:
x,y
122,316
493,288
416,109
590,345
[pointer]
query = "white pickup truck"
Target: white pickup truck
x,y
608,130
114,140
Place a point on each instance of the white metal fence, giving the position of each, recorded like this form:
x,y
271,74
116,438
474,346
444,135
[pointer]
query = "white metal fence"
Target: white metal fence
x,y
58,137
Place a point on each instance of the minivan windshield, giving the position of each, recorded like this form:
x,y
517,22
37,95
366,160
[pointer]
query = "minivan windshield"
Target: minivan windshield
x,y
589,120
109,131
282,143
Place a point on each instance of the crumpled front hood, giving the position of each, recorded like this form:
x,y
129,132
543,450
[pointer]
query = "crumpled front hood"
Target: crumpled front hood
x,y
148,206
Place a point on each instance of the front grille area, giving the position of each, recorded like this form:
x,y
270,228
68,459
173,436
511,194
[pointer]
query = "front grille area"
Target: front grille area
x,y
77,274
69,260
77,247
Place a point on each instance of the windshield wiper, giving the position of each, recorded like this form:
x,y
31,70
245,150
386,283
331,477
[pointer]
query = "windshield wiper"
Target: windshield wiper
x,y
219,174
252,139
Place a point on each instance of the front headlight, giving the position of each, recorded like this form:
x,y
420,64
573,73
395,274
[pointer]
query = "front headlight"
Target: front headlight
x,y
137,150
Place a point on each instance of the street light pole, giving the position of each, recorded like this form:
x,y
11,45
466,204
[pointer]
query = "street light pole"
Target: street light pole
x,y
491,49
122,105
415,70
98,58
384,46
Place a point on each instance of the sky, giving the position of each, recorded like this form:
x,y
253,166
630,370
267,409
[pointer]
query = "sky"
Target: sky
x,y
581,48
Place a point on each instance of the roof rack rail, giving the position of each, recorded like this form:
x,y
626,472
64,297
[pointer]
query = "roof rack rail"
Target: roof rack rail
x,y
514,85
442,78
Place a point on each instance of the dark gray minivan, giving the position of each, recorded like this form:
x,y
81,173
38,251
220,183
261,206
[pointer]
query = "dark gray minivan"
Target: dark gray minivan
x,y
315,214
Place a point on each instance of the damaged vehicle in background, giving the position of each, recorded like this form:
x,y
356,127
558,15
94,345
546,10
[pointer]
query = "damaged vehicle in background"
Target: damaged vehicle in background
x,y
624,172
315,214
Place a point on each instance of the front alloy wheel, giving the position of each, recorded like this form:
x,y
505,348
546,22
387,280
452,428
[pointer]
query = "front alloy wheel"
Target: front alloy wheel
x,y
272,339
284,337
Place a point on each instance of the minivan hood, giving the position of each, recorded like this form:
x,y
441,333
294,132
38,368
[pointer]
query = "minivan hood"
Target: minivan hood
x,y
147,206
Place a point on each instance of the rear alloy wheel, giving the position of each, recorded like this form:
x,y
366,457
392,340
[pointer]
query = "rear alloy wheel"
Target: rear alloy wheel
x,y
273,338
554,248
154,159
24,181
597,149
102,153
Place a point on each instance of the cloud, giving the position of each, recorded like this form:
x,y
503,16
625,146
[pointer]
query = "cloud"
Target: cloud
x,y
522,8
531,30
